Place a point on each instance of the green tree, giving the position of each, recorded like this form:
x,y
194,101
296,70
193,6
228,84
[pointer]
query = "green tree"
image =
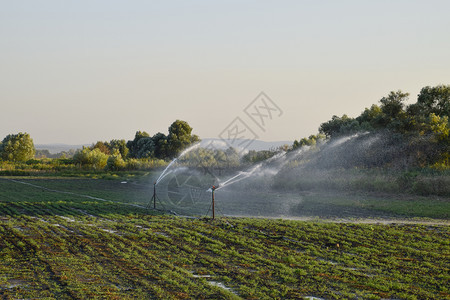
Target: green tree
x,y
115,161
336,125
430,101
220,157
160,144
204,158
434,100
393,113
254,156
312,140
393,104
133,145
91,158
17,147
390,114
369,118
120,145
179,138
102,146
44,153
232,157
440,127
145,148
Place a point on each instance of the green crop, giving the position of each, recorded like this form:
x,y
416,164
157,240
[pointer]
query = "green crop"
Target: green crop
x,y
66,246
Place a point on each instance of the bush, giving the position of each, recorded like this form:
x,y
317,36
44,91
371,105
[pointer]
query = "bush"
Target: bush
x,y
115,162
91,158
436,185
17,147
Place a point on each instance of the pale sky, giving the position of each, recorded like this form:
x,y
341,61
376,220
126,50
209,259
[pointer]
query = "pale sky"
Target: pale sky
x,y
76,72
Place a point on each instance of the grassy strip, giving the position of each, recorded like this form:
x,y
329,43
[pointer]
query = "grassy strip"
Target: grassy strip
x,y
423,182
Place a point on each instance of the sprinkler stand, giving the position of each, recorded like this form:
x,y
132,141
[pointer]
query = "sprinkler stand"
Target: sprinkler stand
x,y
153,197
213,188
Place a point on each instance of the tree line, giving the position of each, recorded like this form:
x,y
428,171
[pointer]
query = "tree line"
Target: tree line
x,y
421,129
143,152
113,155
429,115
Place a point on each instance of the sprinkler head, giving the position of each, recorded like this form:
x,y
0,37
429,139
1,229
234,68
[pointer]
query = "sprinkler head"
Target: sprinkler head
x,y
213,188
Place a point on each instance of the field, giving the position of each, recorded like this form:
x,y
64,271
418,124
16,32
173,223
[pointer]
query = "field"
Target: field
x,y
84,239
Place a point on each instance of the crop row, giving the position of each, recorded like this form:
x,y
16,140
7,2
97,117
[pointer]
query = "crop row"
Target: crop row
x,y
166,257
63,246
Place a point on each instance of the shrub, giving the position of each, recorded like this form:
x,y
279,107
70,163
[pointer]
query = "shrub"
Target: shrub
x,y
115,162
17,147
91,158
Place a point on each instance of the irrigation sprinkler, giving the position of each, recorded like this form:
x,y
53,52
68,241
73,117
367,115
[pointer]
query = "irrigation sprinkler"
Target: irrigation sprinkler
x,y
213,188
154,197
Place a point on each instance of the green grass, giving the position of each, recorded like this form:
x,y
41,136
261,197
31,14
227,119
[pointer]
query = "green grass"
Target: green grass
x,y
56,245
21,195
376,205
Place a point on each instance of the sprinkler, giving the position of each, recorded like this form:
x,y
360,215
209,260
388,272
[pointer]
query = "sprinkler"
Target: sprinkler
x,y
153,197
213,188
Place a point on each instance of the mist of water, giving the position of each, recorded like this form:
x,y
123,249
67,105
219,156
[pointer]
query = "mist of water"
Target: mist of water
x,y
283,185
240,176
165,170
189,149
163,174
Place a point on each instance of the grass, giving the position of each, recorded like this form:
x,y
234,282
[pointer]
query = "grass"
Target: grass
x,y
379,205
422,182
64,245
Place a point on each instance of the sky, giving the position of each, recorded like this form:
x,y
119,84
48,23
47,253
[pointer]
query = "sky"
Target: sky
x,y
76,72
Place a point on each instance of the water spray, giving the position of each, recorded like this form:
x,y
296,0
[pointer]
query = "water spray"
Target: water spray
x,y
165,170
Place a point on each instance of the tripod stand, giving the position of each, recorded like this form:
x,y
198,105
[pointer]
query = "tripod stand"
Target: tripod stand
x,y
154,197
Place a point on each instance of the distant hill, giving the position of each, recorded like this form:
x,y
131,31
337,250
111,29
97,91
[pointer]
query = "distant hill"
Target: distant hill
x,y
219,143
57,148
245,144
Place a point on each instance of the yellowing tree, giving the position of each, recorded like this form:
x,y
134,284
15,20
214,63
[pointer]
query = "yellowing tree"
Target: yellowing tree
x,y
439,126
91,158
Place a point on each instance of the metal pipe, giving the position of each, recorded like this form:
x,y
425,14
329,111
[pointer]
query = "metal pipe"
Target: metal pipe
x,y
213,210
213,188
154,195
